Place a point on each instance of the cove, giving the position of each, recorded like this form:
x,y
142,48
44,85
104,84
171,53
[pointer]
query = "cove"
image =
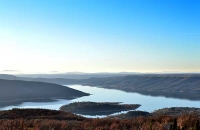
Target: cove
x,y
98,94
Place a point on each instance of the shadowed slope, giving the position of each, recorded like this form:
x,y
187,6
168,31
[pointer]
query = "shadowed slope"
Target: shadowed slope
x,y
14,91
168,83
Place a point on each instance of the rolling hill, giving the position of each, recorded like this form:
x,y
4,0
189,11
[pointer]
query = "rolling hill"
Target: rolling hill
x,y
186,86
165,83
15,92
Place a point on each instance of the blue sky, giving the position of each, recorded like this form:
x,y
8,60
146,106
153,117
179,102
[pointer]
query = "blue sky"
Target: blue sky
x,y
39,36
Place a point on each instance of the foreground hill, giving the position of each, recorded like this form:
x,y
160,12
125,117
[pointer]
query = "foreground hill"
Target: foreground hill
x,y
41,119
38,114
14,92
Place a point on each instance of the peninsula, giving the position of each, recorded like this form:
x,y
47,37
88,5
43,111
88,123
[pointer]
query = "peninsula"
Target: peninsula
x,y
14,92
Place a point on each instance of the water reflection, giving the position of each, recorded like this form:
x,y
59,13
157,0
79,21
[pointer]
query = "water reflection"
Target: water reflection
x,y
148,103
54,105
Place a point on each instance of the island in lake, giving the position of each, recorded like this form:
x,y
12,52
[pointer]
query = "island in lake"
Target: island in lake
x,y
97,108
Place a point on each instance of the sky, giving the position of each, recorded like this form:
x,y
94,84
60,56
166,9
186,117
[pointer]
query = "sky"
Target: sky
x,y
44,36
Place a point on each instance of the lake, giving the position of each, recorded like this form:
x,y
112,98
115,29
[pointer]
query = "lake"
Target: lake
x,y
148,103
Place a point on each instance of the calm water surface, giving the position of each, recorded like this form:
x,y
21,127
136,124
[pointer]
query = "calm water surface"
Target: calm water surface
x,y
148,103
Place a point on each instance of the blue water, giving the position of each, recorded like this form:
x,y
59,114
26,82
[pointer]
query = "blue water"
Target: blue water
x,y
148,103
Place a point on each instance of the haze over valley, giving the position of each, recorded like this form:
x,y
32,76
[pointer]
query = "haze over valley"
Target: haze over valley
x,y
99,65
183,86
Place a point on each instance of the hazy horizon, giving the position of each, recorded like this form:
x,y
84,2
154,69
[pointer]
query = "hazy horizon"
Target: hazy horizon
x,y
57,36
79,73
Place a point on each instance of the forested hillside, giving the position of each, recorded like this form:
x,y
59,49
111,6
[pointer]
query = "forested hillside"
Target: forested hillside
x,y
185,86
165,83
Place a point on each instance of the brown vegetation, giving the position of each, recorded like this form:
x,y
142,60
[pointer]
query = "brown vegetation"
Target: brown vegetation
x,y
40,119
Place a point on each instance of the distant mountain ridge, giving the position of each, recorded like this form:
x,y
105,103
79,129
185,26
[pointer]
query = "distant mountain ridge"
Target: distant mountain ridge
x,y
77,75
9,77
145,82
185,86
